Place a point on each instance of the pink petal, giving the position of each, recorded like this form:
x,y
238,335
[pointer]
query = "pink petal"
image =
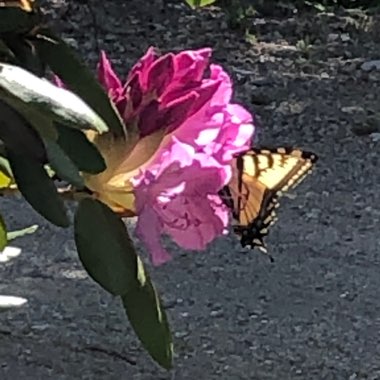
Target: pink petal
x,y
224,93
143,63
205,94
147,121
191,64
135,91
57,81
149,230
220,210
239,114
106,75
196,226
160,74
176,112
182,196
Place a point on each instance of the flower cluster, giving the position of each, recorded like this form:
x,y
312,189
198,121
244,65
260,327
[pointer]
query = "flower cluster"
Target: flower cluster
x,y
185,131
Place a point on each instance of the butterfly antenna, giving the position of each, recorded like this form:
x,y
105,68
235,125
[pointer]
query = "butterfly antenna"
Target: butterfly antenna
x,y
264,251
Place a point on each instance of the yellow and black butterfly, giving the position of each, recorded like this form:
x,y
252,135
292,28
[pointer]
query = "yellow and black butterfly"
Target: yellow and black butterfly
x,y
260,177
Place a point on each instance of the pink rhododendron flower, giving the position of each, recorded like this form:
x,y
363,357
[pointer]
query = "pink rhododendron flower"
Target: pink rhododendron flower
x,y
185,131
177,194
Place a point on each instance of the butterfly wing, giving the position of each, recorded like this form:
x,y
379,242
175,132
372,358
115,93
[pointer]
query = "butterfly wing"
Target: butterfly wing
x,y
260,177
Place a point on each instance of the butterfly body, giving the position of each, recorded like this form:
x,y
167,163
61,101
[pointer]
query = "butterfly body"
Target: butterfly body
x,y
260,177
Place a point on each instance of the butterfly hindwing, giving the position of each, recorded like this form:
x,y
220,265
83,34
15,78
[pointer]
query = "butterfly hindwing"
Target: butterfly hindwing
x,y
260,177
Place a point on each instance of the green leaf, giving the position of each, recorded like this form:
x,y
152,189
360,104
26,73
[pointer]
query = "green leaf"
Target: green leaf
x,y
18,135
80,150
6,175
6,54
38,189
3,234
147,317
108,255
64,63
24,53
104,247
13,20
62,164
11,235
20,86
199,3
5,180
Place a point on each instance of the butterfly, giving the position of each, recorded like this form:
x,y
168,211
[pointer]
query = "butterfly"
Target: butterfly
x,y
259,178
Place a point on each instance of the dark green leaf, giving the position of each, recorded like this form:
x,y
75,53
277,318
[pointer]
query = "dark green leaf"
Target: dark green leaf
x,y
62,164
18,135
81,151
3,234
64,63
38,189
38,95
6,54
20,233
147,316
42,124
104,247
24,53
13,20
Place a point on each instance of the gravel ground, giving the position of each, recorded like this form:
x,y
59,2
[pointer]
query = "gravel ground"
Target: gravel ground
x,y
314,314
